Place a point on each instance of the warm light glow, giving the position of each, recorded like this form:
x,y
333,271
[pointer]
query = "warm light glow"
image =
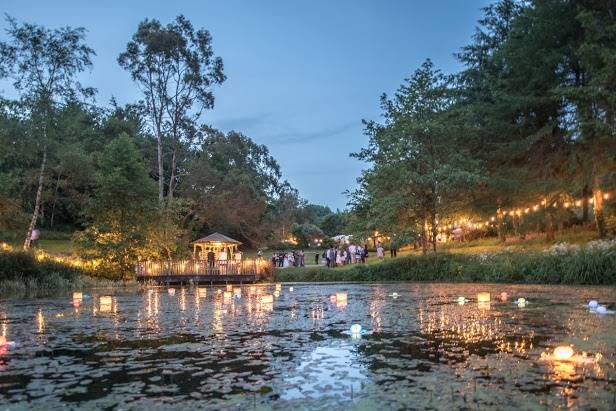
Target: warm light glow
x,y
229,287
483,297
278,287
606,196
202,292
563,353
266,299
341,297
227,296
504,296
237,291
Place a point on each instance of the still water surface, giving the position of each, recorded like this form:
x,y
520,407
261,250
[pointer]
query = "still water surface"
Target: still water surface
x,y
197,349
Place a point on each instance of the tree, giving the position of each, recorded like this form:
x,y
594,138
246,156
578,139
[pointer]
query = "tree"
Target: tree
x,y
306,233
120,212
419,151
175,68
43,64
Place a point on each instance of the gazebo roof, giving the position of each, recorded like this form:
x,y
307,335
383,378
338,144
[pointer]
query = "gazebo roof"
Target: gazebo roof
x,y
216,237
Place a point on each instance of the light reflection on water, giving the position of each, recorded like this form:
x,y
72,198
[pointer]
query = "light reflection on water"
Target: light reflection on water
x,y
198,347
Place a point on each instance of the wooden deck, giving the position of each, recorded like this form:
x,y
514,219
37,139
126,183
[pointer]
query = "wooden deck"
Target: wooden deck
x,y
197,271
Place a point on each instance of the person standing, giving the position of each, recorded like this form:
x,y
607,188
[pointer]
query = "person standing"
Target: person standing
x,y
352,253
316,258
380,252
210,258
301,258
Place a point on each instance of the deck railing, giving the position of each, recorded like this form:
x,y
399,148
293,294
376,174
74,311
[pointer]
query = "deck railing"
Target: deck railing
x,y
198,267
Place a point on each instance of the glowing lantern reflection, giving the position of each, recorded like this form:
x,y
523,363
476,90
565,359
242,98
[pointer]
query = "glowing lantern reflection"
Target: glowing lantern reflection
x,y
341,297
77,299
171,291
563,353
276,293
202,292
278,287
483,297
504,296
229,287
267,299
227,296
237,292
105,303
461,300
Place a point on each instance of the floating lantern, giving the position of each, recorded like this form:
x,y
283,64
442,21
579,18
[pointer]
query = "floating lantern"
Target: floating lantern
x,y
521,300
171,291
227,296
394,295
229,287
341,297
563,353
356,329
483,297
332,298
592,304
291,289
278,287
202,292
602,309
2,340
504,296
462,300
237,292
276,293
219,291
77,296
105,304
267,299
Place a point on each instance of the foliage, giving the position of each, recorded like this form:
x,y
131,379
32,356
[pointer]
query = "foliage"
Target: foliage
x,y
120,210
306,233
175,68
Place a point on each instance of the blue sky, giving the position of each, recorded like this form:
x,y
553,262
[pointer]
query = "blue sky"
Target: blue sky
x,y
301,74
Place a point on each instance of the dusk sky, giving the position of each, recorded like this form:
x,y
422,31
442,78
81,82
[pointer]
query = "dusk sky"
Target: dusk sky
x,y
301,75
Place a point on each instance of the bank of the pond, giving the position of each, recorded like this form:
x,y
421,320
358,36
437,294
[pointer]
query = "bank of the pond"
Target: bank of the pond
x,y
587,265
21,273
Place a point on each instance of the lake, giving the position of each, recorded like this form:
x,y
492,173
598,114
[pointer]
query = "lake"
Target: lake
x,y
201,348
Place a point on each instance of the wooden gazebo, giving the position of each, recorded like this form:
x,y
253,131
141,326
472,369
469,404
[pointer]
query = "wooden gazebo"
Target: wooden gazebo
x,y
215,242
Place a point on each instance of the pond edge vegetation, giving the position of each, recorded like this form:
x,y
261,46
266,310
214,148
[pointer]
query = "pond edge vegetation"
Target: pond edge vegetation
x,y
593,264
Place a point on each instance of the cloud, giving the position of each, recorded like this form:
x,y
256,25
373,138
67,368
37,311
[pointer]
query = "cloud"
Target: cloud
x,y
241,123
296,137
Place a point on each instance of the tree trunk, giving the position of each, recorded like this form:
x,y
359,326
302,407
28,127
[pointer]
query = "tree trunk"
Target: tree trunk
x,y
598,208
55,199
161,171
37,201
434,229
424,243
549,227
585,194
172,179
521,230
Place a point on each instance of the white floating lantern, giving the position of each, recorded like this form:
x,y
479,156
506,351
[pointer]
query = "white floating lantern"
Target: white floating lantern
x,y
563,353
276,293
171,291
592,304
291,289
356,329
602,309
461,300
266,299
394,295
483,297
278,287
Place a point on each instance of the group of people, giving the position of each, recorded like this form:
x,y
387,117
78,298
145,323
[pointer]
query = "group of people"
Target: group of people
x,y
331,257
288,259
352,254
